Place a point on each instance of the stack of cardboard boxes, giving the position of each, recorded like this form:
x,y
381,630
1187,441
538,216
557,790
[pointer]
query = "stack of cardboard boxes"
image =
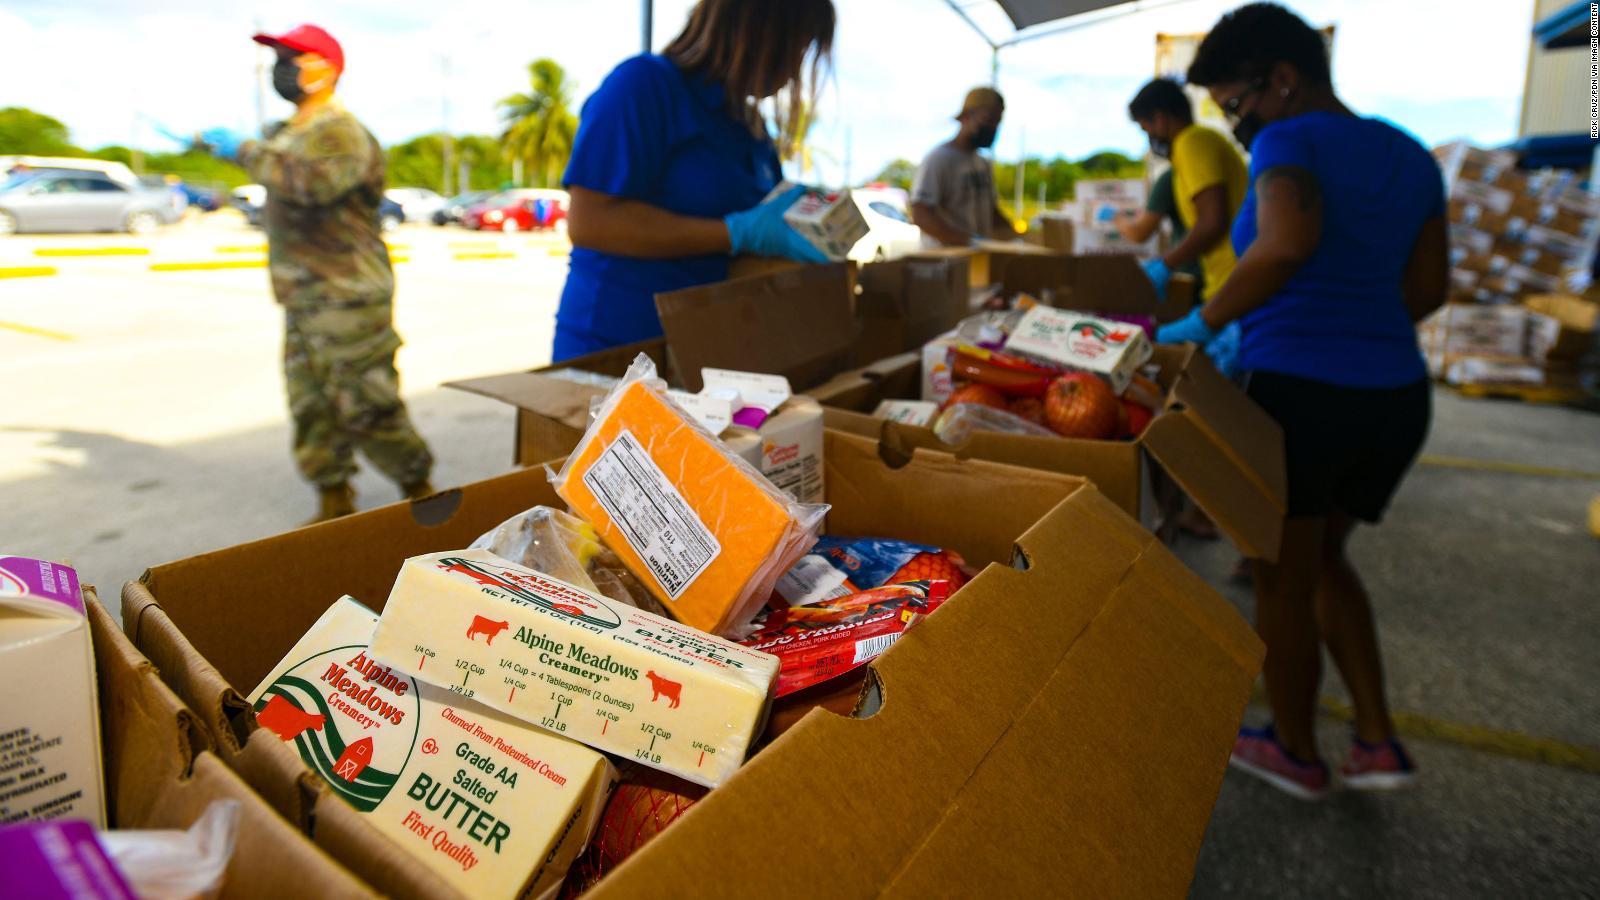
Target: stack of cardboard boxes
x,y
1519,243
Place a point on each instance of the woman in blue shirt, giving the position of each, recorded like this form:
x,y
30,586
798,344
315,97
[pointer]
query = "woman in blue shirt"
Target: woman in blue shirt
x,y
1342,248
673,159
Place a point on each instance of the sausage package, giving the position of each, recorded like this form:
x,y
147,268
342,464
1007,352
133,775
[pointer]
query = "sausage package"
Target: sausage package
x,y
706,532
498,807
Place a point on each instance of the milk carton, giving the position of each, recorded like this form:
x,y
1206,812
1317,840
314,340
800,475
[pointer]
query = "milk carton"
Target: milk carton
x,y
497,807
1113,350
830,220
772,428
50,720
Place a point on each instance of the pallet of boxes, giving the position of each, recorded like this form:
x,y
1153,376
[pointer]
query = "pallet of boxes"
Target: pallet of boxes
x,y
1522,245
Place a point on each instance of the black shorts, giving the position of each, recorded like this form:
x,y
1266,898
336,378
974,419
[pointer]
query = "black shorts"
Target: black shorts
x,y
1345,449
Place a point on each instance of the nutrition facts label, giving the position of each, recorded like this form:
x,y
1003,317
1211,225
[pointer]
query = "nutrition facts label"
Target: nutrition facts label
x,y
24,774
654,518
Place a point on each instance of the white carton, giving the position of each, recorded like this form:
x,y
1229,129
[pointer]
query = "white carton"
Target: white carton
x,y
830,220
50,720
773,429
496,806
1113,350
937,381
907,412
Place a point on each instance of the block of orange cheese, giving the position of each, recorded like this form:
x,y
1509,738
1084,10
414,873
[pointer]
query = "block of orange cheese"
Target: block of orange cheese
x,y
704,531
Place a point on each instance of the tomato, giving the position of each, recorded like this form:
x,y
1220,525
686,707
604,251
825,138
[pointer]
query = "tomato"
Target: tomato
x,y
1030,408
1081,405
1137,416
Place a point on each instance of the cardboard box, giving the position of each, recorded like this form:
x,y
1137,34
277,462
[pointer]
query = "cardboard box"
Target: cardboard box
x,y
1564,330
161,774
1472,329
903,304
1053,231
1221,448
49,740
795,322
1020,725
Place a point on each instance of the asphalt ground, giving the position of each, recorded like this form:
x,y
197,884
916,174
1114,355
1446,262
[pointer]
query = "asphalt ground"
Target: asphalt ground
x,y
143,421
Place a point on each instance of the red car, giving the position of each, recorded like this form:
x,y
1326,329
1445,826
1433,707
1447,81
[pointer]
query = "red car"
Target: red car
x,y
533,209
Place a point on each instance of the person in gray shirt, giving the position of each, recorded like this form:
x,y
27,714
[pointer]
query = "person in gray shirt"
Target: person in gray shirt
x,y
952,198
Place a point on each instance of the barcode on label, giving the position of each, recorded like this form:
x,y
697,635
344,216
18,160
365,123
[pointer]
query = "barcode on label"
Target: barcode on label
x,y
872,648
653,517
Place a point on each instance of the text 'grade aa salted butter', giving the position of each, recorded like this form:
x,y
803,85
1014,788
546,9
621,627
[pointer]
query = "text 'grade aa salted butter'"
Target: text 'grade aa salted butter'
x,y
497,807
707,533
612,676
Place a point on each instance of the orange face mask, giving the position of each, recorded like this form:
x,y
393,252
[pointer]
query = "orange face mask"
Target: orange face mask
x,y
304,76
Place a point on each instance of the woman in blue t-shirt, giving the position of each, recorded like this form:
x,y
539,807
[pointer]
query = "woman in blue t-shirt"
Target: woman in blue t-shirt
x,y
673,159
1342,249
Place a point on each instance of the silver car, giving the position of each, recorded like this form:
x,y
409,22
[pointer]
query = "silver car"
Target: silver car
x,y
79,200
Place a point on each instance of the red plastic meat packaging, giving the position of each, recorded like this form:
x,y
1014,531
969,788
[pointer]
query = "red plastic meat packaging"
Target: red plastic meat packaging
x,y
837,567
824,640
645,803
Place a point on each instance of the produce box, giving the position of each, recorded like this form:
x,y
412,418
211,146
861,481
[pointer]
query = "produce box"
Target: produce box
x,y
161,773
1064,719
796,322
1221,448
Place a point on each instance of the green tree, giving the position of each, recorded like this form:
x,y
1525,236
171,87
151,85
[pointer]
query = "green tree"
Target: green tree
x,y
25,132
539,124
899,173
418,162
487,168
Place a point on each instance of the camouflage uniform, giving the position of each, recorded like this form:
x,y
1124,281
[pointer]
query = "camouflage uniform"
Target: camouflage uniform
x,y
330,270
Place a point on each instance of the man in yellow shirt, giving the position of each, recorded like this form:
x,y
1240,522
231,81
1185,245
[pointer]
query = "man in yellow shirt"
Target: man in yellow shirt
x,y
1209,181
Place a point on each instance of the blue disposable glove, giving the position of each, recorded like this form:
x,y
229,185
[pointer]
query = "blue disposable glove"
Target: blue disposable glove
x,y
1190,328
223,142
762,231
1224,350
1159,276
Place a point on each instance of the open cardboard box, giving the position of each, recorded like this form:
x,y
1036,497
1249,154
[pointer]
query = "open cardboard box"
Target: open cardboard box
x,y
795,322
1109,282
1065,719
161,774
1221,448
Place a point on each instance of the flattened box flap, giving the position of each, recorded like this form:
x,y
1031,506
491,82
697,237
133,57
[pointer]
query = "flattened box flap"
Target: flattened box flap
x,y
904,303
1024,746
799,323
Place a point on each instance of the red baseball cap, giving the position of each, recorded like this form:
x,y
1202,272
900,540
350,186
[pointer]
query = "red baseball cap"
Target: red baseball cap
x,y
307,39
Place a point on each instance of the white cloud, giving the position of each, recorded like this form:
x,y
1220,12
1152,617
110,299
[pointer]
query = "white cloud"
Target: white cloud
x,y
902,65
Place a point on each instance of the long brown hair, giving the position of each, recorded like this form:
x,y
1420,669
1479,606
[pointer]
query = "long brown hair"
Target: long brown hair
x,y
757,48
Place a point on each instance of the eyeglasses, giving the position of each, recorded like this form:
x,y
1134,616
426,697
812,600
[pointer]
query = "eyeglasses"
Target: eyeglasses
x,y
1230,108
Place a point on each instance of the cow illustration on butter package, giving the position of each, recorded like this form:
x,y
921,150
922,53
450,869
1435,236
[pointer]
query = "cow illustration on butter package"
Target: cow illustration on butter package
x,y
619,679
498,807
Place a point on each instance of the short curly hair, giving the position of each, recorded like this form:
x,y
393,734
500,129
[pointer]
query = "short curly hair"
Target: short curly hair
x,y
1248,42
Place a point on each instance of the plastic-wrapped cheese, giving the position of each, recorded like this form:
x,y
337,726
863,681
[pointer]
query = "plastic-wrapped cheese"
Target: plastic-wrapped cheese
x,y
705,532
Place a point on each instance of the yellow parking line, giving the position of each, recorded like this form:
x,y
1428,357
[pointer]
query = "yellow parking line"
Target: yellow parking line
x,y
559,251
243,248
493,254
399,259
202,266
473,245
1514,468
92,251
26,271
36,332
397,246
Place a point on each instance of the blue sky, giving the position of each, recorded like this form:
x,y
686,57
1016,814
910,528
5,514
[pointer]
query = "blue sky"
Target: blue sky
x,y
108,67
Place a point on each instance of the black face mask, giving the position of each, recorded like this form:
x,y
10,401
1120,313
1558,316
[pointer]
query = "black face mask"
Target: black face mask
x,y
1245,132
1160,147
983,138
286,80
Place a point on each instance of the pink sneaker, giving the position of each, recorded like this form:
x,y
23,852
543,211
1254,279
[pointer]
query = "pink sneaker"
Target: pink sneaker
x,y
1257,752
1378,767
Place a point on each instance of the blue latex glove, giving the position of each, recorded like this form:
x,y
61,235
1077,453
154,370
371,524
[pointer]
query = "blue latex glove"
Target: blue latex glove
x,y
1224,350
762,231
223,142
1159,276
1190,328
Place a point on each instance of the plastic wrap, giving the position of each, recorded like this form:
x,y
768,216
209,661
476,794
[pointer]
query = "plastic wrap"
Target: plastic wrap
x,y
706,533
176,865
958,423
568,549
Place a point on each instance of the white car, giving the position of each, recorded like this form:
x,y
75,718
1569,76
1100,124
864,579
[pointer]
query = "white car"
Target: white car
x,y
419,203
890,234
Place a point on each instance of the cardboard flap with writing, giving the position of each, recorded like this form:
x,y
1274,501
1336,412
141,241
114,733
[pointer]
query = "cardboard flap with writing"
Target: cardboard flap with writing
x,y
799,323
1012,669
160,776
1227,453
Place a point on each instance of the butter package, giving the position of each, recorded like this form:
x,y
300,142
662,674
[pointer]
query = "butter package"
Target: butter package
x,y
499,808
703,529
614,677
829,220
907,412
50,721
1113,350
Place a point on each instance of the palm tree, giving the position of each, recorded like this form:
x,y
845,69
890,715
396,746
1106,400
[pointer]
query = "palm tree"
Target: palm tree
x,y
540,125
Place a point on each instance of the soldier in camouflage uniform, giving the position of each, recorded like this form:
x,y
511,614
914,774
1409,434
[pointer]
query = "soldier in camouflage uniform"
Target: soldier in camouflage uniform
x,y
324,175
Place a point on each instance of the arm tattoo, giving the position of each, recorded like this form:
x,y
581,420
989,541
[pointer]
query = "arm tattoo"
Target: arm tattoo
x,y
1300,181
